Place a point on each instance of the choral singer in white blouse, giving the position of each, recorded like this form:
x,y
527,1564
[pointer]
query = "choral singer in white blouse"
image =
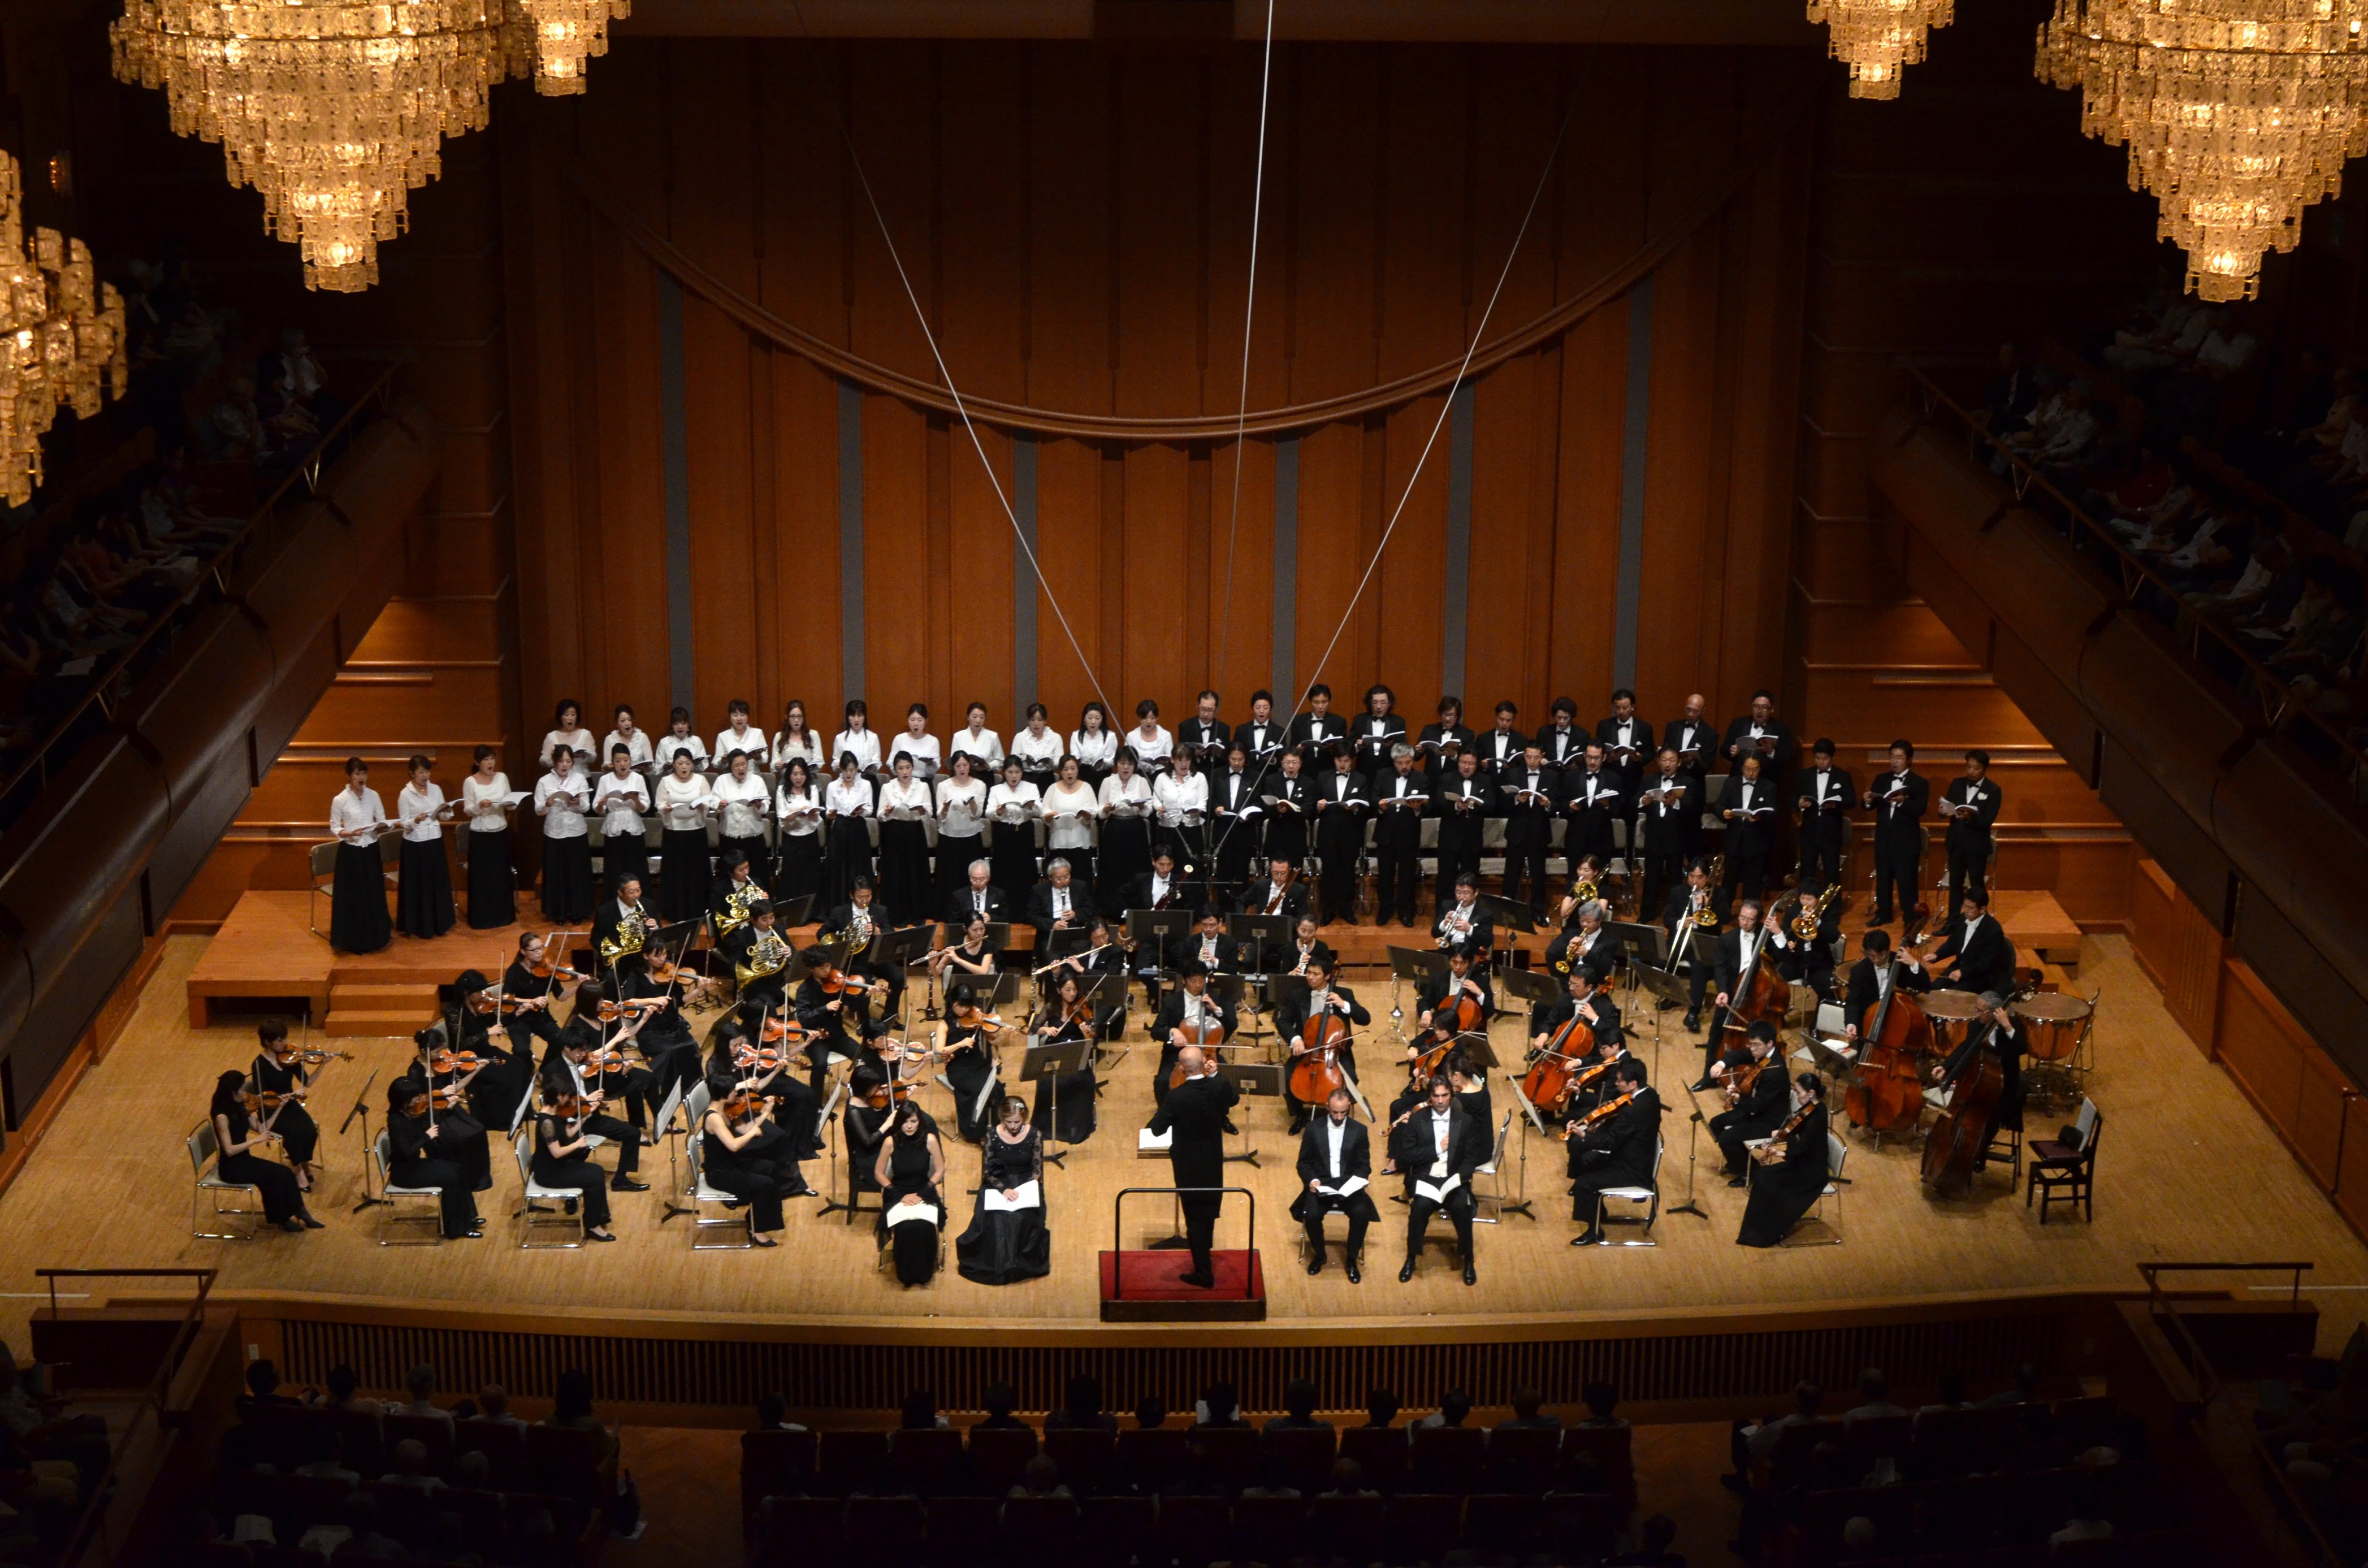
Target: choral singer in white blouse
x,y
560,797
798,803
684,803
859,739
847,852
1127,805
1182,795
1094,744
961,818
423,900
1039,747
621,801
493,886
357,922
1012,806
904,809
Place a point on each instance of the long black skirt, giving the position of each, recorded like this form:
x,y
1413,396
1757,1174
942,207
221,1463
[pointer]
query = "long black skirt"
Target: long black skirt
x,y
966,1073
849,857
954,855
357,922
915,1242
567,879
424,905
1011,860
905,871
1779,1197
1004,1247
623,856
801,872
684,873
1126,855
493,886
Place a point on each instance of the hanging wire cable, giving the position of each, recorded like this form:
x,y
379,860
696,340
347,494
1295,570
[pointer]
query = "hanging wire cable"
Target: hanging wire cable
x,y
1249,314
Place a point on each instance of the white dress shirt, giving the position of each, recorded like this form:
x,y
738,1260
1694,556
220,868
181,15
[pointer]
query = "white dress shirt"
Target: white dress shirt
x,y
348,811
484,803
788,748
1176,796
637,750
412,801
1439,1124
961,805
729,740
1038,753
1097,750
984,744
904,795
1136,793
1065,903
662,749
1069,810
740,806
864,744
680,801
579,740
842,798
1153,747
922,749
560,821
621,803
800,811
1334,1133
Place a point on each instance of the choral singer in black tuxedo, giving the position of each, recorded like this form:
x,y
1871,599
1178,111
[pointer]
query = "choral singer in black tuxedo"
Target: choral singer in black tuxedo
x,y
1971,803
1335,1152
1627,740
1669,814
1194,1116
1898,796
1401,799
1342,804
1825,798
1438,1145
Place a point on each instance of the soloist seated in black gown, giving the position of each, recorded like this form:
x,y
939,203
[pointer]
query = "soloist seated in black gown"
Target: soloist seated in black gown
x,y
236,1139
1065,1020
911,1165
1006,1240
1789,1172
421,1149
729,1162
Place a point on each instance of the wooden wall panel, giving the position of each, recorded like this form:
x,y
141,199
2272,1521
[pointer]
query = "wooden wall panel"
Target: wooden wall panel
x,y
2261,1048
2180,950
804,520
2319,1119
897,623
1068,547
2351,1172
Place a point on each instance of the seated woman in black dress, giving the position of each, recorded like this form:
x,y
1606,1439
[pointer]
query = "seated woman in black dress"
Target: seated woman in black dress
x,y
911,1165
791,1133
420,1151
1066,1018
971,956
1006,1240
236,1139
728,1159
498,1086
1789,1172
563,1159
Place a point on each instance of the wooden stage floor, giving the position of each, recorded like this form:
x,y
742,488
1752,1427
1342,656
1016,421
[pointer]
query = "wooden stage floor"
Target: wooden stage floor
x,y
2188,1171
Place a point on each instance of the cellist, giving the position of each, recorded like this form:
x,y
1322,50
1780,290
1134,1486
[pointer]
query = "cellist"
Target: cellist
x,y
1438,999
1581,1032
1293,1020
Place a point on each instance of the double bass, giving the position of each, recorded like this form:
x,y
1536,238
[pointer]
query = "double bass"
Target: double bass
x,y
1958,1138
1887,1091
1762,995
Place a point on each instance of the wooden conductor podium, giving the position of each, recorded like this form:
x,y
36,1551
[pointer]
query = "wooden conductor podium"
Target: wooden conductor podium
x,y
1145,1285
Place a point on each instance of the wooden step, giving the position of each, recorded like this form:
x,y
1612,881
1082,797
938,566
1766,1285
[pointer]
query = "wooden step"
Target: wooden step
x,y
377,994
393,1024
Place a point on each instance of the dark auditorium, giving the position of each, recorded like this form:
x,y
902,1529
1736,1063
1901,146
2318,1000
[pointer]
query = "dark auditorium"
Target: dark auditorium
x,y
1571,693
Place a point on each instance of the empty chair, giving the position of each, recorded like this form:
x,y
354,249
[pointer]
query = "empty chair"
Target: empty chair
x,y
797,1531
1350,1527
925,1460
960,1530
1041,1530
1118,1526
1269,1529
886,1531
1502,1524
850,1462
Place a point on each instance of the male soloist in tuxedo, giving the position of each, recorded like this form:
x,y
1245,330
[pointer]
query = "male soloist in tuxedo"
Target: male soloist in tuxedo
x,y
1336,1166
1438,1145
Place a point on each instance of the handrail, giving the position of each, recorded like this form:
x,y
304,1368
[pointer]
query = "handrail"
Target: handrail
x,y
215,574
2280,705
78,1540
1117,1206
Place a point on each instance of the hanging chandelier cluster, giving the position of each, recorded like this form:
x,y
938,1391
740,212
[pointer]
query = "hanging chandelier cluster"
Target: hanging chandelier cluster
x,y
334,110
1879,38
2238,114
61,333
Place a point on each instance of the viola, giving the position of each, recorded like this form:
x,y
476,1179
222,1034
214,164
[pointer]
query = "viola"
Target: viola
x,y
1773,1151
1739,1081
446,1064
1315,1071
881,1096
780,1031
839,982
741,1104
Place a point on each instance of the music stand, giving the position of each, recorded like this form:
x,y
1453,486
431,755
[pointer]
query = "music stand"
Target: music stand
x,y
1538,990
1667,991
1252,1078
361,1108
1064,942
1508,915
1052,1060
893,950
792,912
1421,965
1166,925
1257,933
1529,1119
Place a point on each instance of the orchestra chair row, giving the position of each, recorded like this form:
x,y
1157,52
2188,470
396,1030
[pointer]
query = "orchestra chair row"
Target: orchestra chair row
x,y
520,1458
1189,1531
1453,1460
1939,1443
428,1202
294,1504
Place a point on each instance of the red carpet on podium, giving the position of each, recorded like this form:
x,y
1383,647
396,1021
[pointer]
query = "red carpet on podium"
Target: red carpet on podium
x,y
1147,1287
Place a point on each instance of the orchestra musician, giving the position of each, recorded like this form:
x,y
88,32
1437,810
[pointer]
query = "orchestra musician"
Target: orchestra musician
x,y
855,928
357,917
1826,796
1734,952
237,1138
1065,1019
1465,802
618,1079
1401,799
969,956
1279,892
1598,1016
1996,1032
736,888
1305,948
1460,979
1755,1108
1871,980
1620,1150
1289,794
1971,803
419,1153
729,1163
1058,903
1529,793
620,926
1195,1119
460,1137
792,1133
1317,727
1438,1145
1603,1048
761,956
1342,803
1206,944
278,1069
1809,958
978,897
1792,1170
503,1077
1627,740
564,1074
1464,926
963,1043
528,997
829,1006
1292,1017
1697,904
1582,946
1187,1014
1976,955
1336,1166
1898,799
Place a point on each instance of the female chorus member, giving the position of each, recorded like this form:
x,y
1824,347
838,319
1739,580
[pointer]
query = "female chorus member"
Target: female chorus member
x,y
910,1168
904,879
561,798
798,804
961,819
567,729
848,851
1013,804
1007,1241
684,803
493,888
357,922
1039,748
795,740
632,736
1788,1173
1071,808
1094,744
236,1139
860,738
622,801
423,904
1127,805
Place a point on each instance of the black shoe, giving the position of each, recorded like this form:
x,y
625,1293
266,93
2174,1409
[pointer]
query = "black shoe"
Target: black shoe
x,y
1699,1084
626,1184
1880,917
292,1224
595,1237
1738,1181
1198,1280
568,1208
1316,1264
1693,1022
472,1234
310,1223
1356,1274
1587,1239
1667,1005
1469,1277
1298,1125
1408,1272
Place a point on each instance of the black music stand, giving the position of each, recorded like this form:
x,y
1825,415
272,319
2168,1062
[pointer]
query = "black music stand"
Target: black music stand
x,y
895,950
1506,914
1252,1079
1420,965
361,1109
1101,994
1063,943
1256,933
1157,927
1668,990
1527,984
792,912
1051,1061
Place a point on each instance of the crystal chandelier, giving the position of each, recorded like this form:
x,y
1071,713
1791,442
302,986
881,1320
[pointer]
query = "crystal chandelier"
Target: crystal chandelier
x,y
1879,38
567,33
61,332
2238,114
333,109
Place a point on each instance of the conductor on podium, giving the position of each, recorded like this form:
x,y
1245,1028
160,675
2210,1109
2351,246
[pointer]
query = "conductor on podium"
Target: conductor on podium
x,y
1194,1115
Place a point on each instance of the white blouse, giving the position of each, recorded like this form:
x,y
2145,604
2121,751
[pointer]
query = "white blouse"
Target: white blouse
x,y
579,740
411,803
661,750
484,803
1069,810
1037,754
1176,796
922,749
729,740
1011,806
984,744
348,812
621,802
864,744
1150,748
561,820
959,805
788,749
637,750
845,799
1136,795
801,812
742,802
904,795
1097,750
681,802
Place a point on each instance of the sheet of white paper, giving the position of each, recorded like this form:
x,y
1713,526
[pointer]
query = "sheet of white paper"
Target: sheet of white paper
x,y
1352,1187
1154,1143
1438,1194
900,1212
1027,1195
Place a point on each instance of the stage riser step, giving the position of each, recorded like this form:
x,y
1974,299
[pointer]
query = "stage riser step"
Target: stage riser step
x,y
381,996
362,1022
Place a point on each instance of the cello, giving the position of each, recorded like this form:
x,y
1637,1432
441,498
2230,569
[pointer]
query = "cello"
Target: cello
x,y
1315,1069
1208,1033
1458,1014
1556,1074
1958,1138
1887,1091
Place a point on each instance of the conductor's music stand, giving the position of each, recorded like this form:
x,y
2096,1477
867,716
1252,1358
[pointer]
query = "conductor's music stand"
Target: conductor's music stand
x,y
1051,1061
1249,1079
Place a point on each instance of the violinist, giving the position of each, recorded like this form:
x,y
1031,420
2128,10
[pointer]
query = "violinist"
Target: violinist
x,y
759,955
568,1078
1336,1166
1755,1088
615,1027
1793,1168
1871,980
1668,808
736,1063
1734,956
866,1119
1470,1082
1702,907
1103,956
855,928
1343,802
1606,1050
1305,950
1997,1032
965,1043
562,1158
729,1162
1825,798
1977,954
238,1138
503,1076
1297,1022
420,1149
664,1035
1464,926
831,1004
1465,800
1159,888
1438,999
1812,922
1616,1146
1187,1016
1289,795
1279,892
1058,902
460,1137
1065,1018
530,989
1438,1145
278,1069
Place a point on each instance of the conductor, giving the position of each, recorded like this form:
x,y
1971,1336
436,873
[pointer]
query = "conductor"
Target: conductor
x,y
1195,1113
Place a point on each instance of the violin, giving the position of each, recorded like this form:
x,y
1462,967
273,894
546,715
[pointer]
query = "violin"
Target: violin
x,y
611,1011
1739,1081
839,982
571,1107
446,1062
551,969
1315,1070
306,1056
1773,1151
1579,1126
263,1102
742,1104
663,971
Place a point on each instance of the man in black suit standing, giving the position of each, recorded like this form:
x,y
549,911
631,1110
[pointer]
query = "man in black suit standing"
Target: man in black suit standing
x,y
977,898
1975,956
1668,812
1202,737
1762,734
1058,903
1194,1119
1690,736
1342,803
1500,747
1440,745
1627,740
1595,797
1751,815
1401,799
1335,1152
1971,803
1618,1151
1438,1145
1318,727
1898,797
1825,798
1563,739
1529,796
